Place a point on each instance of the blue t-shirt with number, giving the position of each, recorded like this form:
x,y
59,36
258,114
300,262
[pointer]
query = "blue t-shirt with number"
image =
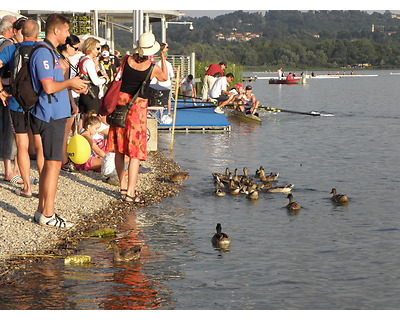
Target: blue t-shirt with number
x,y
45,64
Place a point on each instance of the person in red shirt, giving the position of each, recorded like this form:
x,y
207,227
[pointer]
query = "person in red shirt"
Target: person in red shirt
x,y
213,71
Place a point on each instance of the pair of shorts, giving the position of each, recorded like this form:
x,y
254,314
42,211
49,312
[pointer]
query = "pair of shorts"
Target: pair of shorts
x,y
21,121
222,98
52,134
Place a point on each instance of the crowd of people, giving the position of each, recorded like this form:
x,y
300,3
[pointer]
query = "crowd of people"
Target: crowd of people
x,y
70,77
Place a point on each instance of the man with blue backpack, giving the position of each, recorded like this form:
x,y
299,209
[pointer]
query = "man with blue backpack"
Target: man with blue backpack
x,y
20,119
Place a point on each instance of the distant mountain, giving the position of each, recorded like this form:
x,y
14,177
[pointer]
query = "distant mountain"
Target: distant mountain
x,y
289,38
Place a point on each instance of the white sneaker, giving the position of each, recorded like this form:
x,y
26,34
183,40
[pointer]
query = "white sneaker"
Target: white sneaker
x,y
54,221
218,110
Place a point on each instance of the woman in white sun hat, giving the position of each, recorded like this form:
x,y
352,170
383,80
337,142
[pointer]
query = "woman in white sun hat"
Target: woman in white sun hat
x,y
132,140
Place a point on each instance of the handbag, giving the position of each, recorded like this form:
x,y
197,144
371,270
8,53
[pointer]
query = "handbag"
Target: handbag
x,y
117,118
109,101
155,97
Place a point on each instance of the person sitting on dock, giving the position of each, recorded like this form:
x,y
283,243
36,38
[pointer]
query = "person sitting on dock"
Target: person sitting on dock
x,y
250,103
219,90
236,97
188,88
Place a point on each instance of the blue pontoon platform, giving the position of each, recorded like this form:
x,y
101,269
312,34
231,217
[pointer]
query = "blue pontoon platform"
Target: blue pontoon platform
x,y
197,119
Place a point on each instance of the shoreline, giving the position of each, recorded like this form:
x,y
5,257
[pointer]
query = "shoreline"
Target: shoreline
x,y
83,198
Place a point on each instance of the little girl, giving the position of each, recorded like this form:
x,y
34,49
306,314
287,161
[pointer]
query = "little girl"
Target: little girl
x,y
90,128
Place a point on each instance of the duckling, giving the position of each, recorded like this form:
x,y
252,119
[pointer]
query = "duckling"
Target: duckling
x,y
338,197
220,238
257,174
253,195
284,188
292,206
219,193
178,177
270,177
130,254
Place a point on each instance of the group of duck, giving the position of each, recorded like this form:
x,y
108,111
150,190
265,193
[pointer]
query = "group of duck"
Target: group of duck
x,y
235,184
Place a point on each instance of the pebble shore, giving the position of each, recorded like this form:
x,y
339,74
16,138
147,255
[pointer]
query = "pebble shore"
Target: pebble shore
x,y
83,198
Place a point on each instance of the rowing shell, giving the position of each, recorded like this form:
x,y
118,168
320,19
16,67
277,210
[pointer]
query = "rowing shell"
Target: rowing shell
x,y
245,117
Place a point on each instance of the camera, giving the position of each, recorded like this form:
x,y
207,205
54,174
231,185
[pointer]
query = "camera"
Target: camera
x,y
90,91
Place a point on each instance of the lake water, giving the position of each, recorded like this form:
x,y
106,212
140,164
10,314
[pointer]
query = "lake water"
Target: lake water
x,y
324,257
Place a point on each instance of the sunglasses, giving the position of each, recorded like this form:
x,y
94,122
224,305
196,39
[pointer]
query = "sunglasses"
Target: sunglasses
x,y
76,48
98,49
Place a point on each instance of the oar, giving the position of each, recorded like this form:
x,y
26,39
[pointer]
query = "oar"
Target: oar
x,y
314,113
182,95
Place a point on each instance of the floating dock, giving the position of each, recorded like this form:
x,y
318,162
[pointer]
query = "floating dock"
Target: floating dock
x,y
197,119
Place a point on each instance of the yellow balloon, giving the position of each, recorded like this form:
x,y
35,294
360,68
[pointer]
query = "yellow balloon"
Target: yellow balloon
x,y
79,149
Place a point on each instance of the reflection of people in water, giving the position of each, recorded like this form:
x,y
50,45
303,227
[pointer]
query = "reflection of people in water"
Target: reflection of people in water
x,y
137,292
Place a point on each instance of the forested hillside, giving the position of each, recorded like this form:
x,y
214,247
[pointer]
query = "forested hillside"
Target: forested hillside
x,y
291,39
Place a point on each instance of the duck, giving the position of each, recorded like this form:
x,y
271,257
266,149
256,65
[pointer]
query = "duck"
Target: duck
x,y
222,175
235,190
219,193
269,178
178,177
236,177
245,175
130,254
218,183
293,206
257,174
248,188
220,238
253,195
338,197
287,188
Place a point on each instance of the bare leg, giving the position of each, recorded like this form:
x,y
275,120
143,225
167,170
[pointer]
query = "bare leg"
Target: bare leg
x,y
68,126
120,168
24,161
37,139
133,172
48,187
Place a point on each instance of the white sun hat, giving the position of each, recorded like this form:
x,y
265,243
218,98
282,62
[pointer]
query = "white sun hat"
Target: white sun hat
x,y
147,45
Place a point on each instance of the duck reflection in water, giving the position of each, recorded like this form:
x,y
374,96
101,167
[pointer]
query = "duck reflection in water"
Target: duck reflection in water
x,y
134,290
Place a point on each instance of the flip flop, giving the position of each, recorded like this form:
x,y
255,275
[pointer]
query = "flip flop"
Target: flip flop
x,y
134,199
19,193
17,179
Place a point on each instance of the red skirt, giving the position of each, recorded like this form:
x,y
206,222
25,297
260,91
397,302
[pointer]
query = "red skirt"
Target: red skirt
x,y
131,140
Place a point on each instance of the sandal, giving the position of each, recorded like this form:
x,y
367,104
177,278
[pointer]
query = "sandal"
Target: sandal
x,y
134,199
123,193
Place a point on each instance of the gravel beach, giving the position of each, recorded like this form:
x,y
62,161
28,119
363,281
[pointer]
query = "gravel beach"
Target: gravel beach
x,y
83,198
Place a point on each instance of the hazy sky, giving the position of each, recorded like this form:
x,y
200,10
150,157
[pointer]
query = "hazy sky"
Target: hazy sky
x,y
210,13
